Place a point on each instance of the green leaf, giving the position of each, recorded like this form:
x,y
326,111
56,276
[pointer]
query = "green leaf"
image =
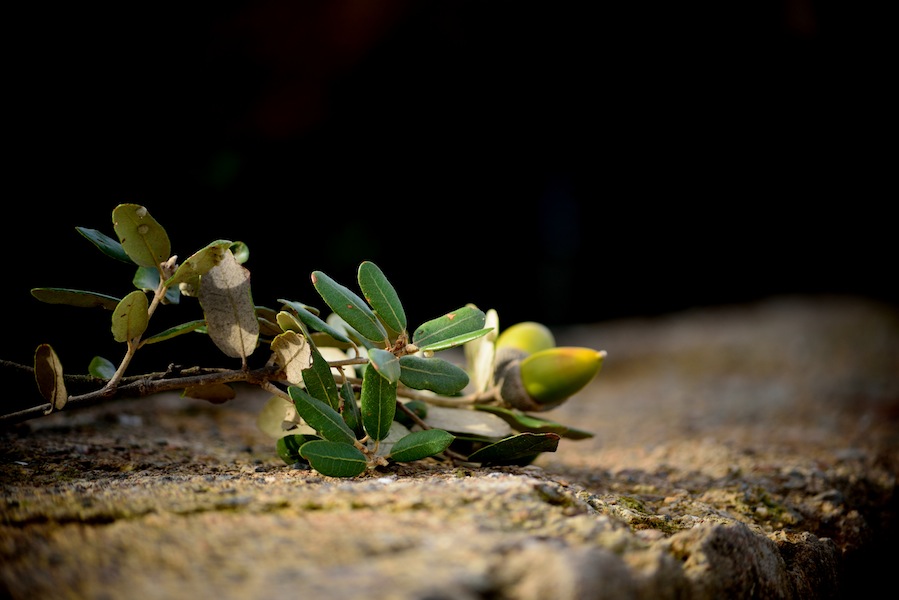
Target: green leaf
x,y
421,444
313,321
416,407
174,332
459,322
240,251
48,375
288,322
524,422
454,341
385,363
130,319
382,296
351,413
106,244
78,298
334,459
101,368
288,446
321,417
378,404
147,279
350,307
319,380
199,263
143,239
227,303
435,374
521,446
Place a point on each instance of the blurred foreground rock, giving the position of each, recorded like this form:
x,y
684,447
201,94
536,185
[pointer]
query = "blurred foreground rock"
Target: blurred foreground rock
x,y
740,452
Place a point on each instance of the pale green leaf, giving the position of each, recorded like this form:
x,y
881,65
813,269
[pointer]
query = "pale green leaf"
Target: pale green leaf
x,y
385,363
143,239
227,304
199,263
458,420
130,319
480,354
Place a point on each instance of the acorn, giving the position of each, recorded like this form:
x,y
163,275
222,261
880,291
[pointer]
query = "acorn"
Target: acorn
x,y
528,336
534,375
520,341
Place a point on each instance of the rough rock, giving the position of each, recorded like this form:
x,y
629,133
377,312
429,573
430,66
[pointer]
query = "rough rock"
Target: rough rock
x,y
739,452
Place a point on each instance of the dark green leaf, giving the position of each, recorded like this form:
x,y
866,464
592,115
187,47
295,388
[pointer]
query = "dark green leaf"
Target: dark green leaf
x,y
333,458
174,332
455,341
147,279
378,404
435,374
106,244
421,444
101,368
321,417
524,422
78,298
416,407
510,449
130,319
288,446
350,307
313,321
319,380
385,363
350,412
142,238
381,295
458,322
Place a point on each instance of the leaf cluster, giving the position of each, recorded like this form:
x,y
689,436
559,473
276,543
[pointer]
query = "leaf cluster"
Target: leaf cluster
x,y
352,391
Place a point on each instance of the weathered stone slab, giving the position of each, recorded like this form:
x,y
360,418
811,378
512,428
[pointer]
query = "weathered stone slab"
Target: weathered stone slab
x,y
739,452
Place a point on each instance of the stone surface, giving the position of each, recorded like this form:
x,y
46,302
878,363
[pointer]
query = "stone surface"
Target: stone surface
x,y
740,452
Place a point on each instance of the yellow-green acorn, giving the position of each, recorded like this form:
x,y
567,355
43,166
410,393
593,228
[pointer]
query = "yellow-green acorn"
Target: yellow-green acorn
x,y
527,336
552,376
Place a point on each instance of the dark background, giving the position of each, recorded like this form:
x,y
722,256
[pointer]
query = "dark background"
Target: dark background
x,y
557,161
